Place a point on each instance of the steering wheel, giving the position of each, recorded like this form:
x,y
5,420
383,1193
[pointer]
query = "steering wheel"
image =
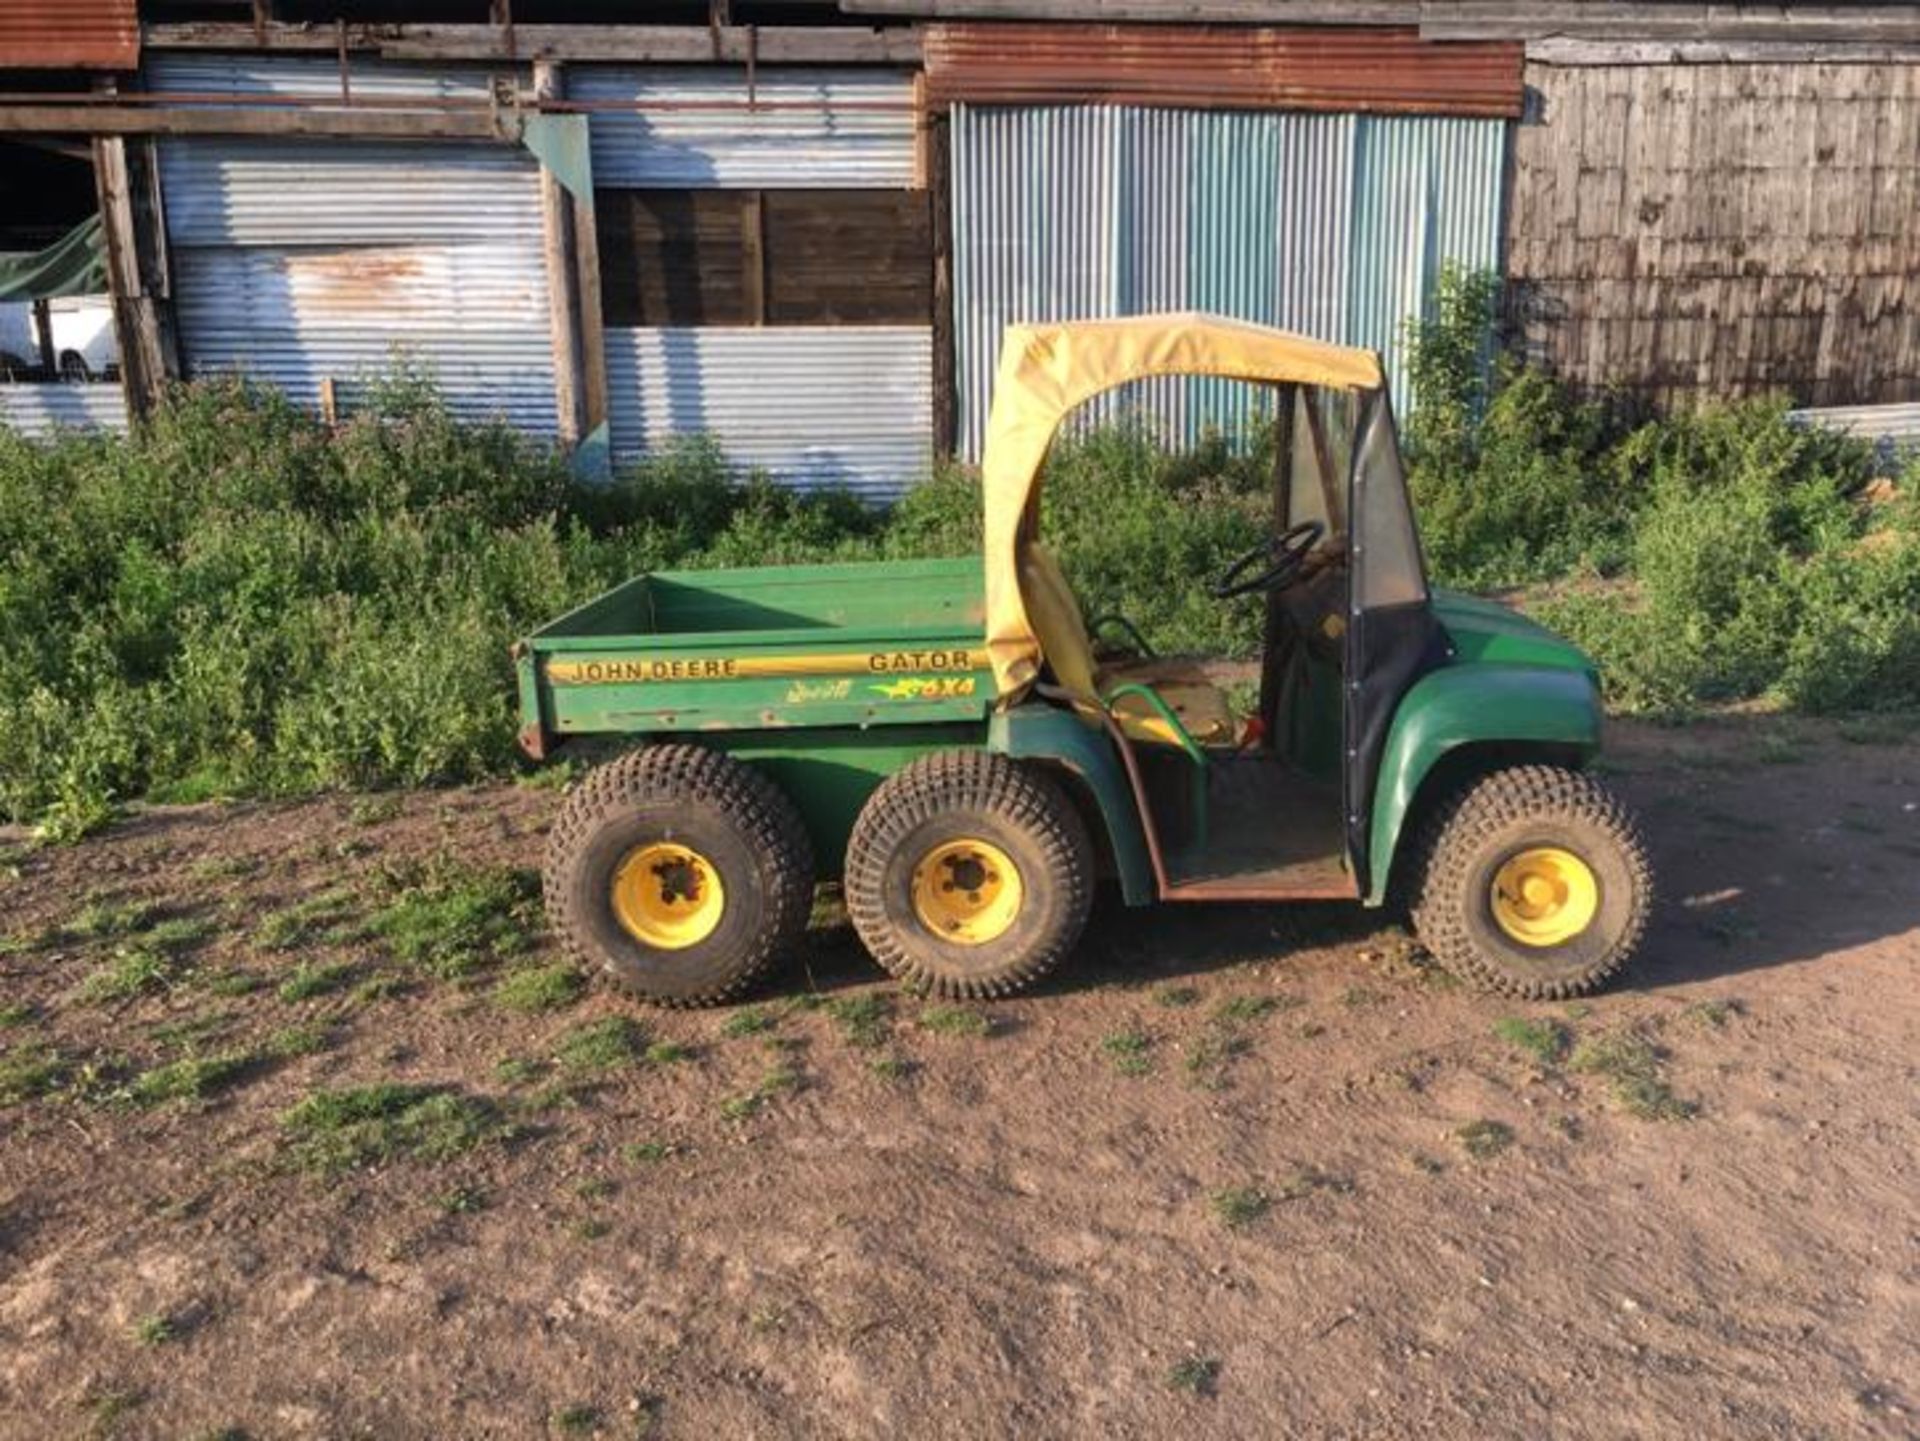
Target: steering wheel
x,y
1282,557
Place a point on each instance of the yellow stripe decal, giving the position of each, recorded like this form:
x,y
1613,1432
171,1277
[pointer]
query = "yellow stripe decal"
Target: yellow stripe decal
x,y
636,670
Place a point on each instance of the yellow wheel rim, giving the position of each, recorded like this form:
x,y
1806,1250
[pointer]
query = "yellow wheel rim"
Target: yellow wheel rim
x,y
1545,896
668,896
967,891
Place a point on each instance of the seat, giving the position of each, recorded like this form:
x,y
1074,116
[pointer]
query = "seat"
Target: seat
x,y
1200,705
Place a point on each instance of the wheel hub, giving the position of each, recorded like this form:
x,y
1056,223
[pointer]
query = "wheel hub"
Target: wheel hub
x,y
1544,896
668,896
967,891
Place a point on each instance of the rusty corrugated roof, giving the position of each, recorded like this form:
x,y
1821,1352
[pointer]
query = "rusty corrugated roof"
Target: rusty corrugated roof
x,y
1220,67
69,34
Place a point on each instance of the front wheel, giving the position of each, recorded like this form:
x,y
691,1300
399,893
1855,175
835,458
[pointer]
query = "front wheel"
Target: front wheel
x,y
969,874
1534,882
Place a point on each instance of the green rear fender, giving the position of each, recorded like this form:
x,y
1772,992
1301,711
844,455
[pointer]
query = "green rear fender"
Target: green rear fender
x,y
1514,712
1058,737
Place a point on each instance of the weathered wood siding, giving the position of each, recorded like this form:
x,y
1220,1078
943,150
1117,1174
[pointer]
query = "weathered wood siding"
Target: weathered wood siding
x,y
1726,229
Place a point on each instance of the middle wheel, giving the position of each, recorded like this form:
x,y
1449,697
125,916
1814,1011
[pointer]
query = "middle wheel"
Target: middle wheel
x,y
969,874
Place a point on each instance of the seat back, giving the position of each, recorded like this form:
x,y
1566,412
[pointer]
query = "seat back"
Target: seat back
x,y
1057,622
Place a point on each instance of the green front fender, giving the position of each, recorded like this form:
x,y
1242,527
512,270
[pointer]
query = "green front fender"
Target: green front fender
x,y
1045,733
1513,709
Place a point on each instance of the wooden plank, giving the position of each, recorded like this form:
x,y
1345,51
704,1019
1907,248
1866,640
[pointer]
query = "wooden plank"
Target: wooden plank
x,y
1664,20
563,307
1561,51
753,251
630,44
593,330
1229,12
95,119
936,146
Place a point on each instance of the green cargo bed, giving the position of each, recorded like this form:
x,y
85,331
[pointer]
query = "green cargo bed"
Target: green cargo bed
x,y
883,643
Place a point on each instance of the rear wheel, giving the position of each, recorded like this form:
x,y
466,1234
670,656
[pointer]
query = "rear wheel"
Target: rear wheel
x,y
1534,883
680,872
968,874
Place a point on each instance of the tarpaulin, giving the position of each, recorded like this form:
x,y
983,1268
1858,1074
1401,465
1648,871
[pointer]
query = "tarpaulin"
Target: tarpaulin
x,y
76,264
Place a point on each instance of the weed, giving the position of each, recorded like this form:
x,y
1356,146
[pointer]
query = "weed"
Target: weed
x,y
461,1200
222,868
594,1188
309,980
1359,997
1206,1063
1483,1140
1545,1041
1309,1030
862,1019
1630,1063
191,1078
109,1408
1129,1052
19,1013
1241,1009
1304,1181
955,1021
890,1068
645,1152
1177,997
104,917
375,810
667,1053
514,1071
591,1228
600,1045
534,989
1715,1013
1425,1164
130,972
456,920
28,1072
1196,1375
301,923
179,935
377,988
577,1420
336,1131
747,1021
1238,1206
232,983
155,1330
773,1083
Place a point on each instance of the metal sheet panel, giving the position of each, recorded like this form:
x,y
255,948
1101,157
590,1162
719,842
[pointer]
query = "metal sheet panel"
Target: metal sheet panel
x,y
1307,67
812,406
298,261
41,410
304,75
1333,225
58,34
820,128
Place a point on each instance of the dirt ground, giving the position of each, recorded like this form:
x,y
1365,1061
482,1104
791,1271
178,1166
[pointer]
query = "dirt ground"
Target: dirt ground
x,y
1245,1172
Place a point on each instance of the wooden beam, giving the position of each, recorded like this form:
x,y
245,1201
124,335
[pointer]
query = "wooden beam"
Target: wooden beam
x,y
1641,21
563,302
136,329
936,164
632,44
96,119
593,333
1718,52
1176,12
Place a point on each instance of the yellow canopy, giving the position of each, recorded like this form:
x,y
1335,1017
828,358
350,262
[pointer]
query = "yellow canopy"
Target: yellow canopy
x,y
1048,370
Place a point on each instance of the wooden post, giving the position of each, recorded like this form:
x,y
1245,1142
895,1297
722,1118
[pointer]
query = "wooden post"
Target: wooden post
x,y
556,216
136,322
936,168
593,332
43,337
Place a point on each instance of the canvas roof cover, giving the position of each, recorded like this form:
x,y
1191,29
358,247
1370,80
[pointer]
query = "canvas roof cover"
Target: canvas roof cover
x,y
1048,370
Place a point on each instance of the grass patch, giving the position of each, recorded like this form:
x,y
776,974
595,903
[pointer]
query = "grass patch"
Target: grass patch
x,y
454,921
232,983
461,1201
576,1420
180,935
332,1132
1545,1041
1239,1010
1176,997
863,1019
1210,1056
130,972
1129,1052
291,1042
17,1014
1630,1064
29,1072
155,1330
955,1021
533,989
106,916
601,1045
1195,1375
309,980
890,1068
747,1021
191,1078
667,1053
1239,1206
1483,1140
645,1153
303,923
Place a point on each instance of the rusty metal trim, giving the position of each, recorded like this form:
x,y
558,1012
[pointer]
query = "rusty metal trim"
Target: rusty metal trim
x,y
69,34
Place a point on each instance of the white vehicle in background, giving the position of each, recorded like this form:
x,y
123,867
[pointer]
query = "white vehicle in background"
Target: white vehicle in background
x,y
82,343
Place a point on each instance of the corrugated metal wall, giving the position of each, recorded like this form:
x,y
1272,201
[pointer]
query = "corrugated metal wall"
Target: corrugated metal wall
x,y
56,34
40,409
1334,225
814,405
819,128
304,259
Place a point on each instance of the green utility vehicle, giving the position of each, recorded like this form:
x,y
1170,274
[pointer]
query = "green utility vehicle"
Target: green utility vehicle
x,y
968,755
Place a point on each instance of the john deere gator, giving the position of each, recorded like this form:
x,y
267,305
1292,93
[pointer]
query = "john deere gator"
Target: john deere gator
x,y
969,756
